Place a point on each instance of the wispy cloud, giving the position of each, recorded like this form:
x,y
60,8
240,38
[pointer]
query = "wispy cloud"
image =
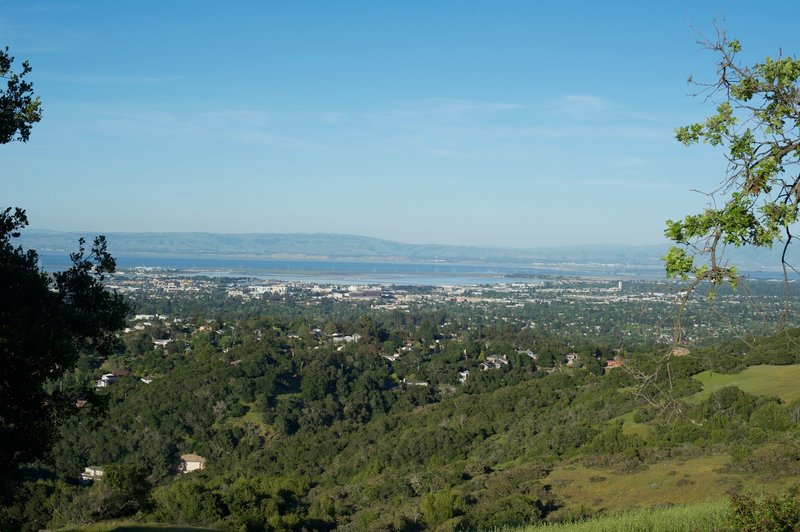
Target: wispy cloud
x,y
25,37
331,117
480,129
94,79
453,107
629,184
630,162
580,106
444,126
648,117
32,8
251,126
448,128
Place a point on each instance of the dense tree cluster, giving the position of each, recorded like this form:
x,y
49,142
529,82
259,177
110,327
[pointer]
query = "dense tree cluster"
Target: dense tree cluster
x,y
45,324
299,430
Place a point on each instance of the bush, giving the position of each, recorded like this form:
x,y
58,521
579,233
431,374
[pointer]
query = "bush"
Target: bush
x,y
438,507
513,510
774,512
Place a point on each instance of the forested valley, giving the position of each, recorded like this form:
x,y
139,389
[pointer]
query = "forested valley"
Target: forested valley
x,y
337,415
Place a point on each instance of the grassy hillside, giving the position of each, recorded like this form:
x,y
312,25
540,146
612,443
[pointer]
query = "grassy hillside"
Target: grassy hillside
x,y
299,431
671,482
778,381
697,517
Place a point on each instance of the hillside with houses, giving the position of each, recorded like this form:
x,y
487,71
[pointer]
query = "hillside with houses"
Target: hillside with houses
x,y
361,408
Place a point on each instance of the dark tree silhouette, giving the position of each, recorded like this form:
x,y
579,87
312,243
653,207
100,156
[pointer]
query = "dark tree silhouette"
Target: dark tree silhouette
x,y
46,321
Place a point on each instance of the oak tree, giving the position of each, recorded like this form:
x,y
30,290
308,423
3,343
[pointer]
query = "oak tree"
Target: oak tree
x,y
46,321
19,108
757,124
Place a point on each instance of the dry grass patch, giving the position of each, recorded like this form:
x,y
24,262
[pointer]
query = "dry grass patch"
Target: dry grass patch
x,y
696,517
673,482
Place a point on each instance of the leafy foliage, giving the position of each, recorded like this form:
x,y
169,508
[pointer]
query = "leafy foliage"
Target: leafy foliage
x,y
757,123
300,430
19,108
773,512
45,324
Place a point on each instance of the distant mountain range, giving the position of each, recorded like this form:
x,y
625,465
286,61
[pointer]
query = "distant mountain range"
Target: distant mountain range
x,y
329,246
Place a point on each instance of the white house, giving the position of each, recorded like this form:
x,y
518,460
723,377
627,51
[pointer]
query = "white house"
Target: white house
x,y
111,378
348,338
92,473
494,362
191,462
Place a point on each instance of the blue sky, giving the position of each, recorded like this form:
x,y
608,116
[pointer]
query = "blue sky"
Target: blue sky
x,y
507,123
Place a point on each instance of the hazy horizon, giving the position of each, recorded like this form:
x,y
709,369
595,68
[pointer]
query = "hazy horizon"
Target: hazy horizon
x,y
91,232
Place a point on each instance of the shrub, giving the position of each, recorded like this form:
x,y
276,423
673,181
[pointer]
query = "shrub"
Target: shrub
x,y
773,512
438,507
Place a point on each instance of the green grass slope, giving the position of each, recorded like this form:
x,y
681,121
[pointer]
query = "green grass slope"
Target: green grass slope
x,y
780,381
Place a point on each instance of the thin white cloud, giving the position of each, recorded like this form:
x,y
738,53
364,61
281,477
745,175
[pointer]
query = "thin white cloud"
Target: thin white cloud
x,y
648,117
450,128
480,129
444,126
93,79
61,7
330,117
580,106
450,108
628,184
630,162
252,126
24,39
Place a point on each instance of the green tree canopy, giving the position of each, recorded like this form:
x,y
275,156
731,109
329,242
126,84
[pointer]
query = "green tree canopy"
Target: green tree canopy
x,y
757,123
19,108
45,323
